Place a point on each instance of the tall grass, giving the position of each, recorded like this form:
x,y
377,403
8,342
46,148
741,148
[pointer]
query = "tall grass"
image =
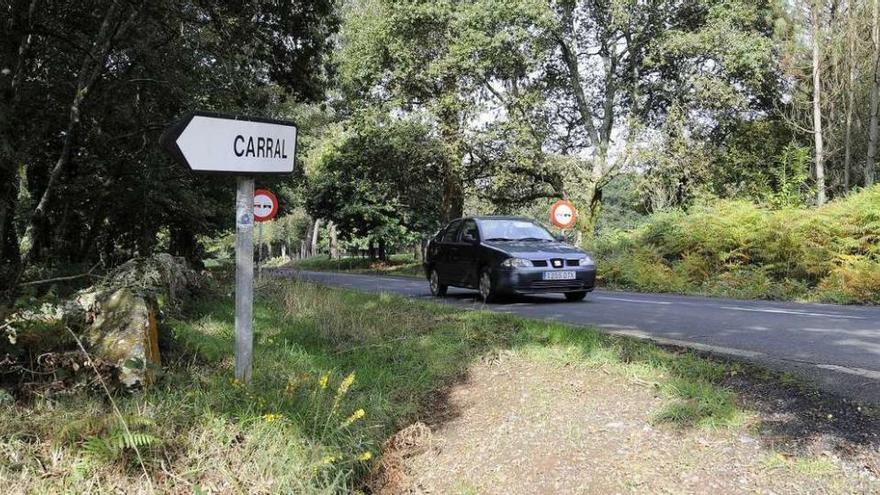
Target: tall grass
x,y
397,264
739,249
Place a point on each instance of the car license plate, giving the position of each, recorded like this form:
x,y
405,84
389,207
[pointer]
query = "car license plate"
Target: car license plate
x,y
559,275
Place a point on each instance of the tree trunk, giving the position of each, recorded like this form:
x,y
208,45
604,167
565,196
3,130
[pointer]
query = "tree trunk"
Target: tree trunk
x,y
383,253
307,241
817,102
183,243
334,240
850,98
875,98
599,138
10,96
453,188
313,247
8,205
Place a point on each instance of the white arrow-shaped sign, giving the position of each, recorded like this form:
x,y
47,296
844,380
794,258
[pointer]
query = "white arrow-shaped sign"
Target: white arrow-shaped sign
x,y
207,142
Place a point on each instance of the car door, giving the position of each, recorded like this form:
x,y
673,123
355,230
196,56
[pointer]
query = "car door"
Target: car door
x,y
447,254
468,255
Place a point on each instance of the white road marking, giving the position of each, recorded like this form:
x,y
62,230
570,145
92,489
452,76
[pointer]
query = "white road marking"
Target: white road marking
x,y
874,375
730,351
792,312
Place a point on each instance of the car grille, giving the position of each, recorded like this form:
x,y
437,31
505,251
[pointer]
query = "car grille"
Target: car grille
x,y
546,263
556,284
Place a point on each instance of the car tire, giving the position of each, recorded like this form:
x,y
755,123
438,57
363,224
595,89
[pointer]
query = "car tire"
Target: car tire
x,y
437,289
486,287
575,296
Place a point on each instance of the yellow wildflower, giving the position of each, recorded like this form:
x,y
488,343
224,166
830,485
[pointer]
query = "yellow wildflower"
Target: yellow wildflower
x,y
344,386
330,459
366,456
271,418
354,417
324,380
342,390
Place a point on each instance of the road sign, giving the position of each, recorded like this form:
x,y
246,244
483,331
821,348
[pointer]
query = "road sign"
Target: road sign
x,y
563,214
243,146
210,142
265,205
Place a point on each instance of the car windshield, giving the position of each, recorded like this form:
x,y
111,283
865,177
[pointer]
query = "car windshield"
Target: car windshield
x,y
513,230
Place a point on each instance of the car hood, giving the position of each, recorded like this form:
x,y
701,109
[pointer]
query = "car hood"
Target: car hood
x,y
536,250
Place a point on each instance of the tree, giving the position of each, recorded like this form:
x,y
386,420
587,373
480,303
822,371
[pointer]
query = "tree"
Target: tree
x,y
394,53
92,84
871,161
379,182
576,83
827,49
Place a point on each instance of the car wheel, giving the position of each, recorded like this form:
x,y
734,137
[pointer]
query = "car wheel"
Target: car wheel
x,y
437,289
487,288
575,296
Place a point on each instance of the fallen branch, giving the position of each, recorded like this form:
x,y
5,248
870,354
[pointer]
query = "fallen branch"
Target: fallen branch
x,y
60,279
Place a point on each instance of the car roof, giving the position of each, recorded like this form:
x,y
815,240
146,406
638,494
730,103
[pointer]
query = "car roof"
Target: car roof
x,y
489,217
501,217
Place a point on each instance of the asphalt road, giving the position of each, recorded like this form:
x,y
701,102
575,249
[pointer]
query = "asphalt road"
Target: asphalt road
x,y
835,347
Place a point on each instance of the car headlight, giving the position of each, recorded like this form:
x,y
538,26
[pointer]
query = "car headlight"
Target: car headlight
x,y
587,261
516,263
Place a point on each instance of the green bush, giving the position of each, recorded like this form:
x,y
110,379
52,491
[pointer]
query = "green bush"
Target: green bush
x,y
739,249
856,280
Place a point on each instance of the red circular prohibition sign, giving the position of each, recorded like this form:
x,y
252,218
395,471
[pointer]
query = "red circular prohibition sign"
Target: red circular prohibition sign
x,y
563,214
265,205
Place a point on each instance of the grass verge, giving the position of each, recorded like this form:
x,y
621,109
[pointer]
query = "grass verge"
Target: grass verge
x,y
404,265
336,372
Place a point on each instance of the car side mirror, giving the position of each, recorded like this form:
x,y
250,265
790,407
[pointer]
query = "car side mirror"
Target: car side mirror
x,y
559,238
468,238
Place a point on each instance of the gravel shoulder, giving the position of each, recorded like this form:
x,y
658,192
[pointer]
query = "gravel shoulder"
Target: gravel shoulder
x,y
518,424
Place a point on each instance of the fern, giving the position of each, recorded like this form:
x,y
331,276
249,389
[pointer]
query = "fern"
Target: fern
x,y
112,446
106,438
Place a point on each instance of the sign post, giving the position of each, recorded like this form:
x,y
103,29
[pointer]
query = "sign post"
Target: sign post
x,y
245,147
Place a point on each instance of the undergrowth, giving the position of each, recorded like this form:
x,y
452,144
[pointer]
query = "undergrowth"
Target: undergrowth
x,y
742,250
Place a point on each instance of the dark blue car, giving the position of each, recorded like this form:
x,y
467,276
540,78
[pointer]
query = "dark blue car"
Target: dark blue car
x,y
506,255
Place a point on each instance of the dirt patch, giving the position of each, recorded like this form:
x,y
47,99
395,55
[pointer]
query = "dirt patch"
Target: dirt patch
x,y
522,426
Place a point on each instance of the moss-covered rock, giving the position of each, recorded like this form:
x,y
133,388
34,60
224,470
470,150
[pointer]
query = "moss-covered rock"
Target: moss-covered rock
x,y
116,319
169,279
124,332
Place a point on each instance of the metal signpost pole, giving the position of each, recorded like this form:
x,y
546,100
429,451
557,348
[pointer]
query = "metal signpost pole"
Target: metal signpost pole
x,y
244,279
